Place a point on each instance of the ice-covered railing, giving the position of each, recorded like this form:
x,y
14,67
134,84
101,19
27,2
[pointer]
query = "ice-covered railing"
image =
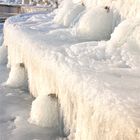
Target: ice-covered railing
x,y
97,82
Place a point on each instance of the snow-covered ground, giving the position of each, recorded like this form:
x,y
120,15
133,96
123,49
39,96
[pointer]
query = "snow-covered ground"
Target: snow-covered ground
x,y
89,56
15,106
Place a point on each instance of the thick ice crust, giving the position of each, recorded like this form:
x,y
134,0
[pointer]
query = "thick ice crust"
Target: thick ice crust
x,y
97,82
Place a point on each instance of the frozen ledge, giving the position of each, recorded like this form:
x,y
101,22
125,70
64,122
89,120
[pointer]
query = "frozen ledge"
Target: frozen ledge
x,y
97,85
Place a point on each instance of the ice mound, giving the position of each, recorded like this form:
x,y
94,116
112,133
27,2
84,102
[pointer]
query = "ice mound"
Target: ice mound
x,y
95,24
44,111
70,15
62,11
17,76
123,47
126,30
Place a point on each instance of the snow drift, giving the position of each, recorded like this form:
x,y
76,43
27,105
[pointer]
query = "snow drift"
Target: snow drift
x,y
97,82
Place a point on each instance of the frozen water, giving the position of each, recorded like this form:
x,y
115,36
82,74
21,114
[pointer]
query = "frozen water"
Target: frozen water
x,y
17,76
47,118
95,24
67,18
96,82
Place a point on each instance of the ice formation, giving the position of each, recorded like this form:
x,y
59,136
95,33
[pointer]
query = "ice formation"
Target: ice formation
x,y
95,24
67,18
49,116
97,81
17,76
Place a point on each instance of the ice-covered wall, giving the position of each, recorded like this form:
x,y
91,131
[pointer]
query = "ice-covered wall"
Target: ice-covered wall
x,y
97,82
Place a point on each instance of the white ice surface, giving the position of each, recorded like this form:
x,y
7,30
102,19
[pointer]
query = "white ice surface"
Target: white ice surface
x,y
97,82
